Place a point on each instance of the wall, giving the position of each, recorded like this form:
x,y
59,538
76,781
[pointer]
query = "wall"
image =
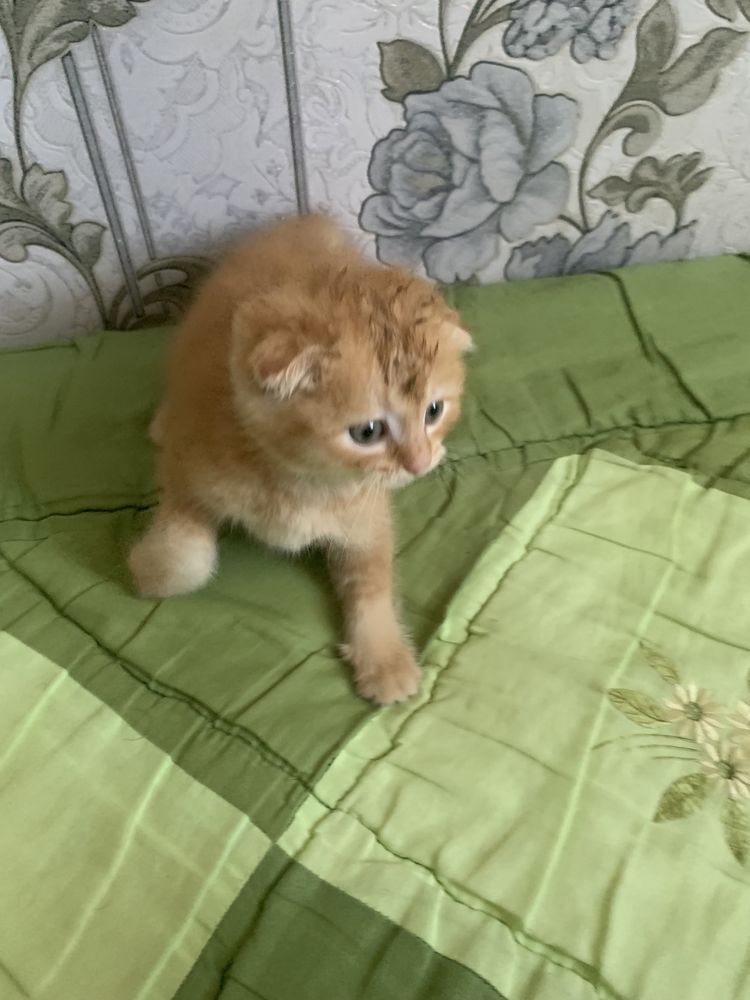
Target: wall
x,y
479,141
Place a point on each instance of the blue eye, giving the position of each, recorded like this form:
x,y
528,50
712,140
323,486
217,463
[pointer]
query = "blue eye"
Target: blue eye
x,y
434,412
368,434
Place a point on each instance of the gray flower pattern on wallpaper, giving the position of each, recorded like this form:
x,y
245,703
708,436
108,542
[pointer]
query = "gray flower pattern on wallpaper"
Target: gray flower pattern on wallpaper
x,y
476,167
540,28
477,157
610,244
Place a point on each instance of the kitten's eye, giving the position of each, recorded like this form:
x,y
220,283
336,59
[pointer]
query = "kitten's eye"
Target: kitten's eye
x,y
434,412
369,433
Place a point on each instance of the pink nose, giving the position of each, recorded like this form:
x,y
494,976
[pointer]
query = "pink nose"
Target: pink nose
x,y
416,460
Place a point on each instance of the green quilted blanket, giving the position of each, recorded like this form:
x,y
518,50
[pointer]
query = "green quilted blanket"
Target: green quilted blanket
x,y
196,805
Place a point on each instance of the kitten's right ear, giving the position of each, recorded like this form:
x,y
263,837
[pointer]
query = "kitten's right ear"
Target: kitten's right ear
x,y
280,362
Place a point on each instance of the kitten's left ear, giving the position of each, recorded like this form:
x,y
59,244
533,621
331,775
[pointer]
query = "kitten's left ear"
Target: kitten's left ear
x,y
283,365
277,356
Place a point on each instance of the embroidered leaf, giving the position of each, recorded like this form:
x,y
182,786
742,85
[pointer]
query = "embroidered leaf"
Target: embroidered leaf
x,y
664,667
683,797
736,825
637,707
655,40
692,78
406,67
723,8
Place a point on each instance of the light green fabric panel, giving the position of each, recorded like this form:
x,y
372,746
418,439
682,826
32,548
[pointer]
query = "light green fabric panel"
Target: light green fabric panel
x,y
117,865
541,813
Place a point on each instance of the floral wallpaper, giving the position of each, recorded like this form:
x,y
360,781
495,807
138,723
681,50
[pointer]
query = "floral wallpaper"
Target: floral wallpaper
x,y
476,140
477,163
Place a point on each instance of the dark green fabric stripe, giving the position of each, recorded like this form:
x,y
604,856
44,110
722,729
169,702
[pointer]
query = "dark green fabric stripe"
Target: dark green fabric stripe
x,y
229,759
291,936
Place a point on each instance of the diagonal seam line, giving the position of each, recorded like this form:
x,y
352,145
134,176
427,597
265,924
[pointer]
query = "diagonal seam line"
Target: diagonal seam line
x,y
512,924
593,977
162,690
614,430
651,349
585,762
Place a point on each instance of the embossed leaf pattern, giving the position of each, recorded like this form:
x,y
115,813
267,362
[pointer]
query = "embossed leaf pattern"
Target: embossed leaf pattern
x,y
691,80
637,707
17,236
656,40
45,193
45,29
406,67
643,123
9,198
684,796
38,216
86,241
728,9
683,84
736,823
673,181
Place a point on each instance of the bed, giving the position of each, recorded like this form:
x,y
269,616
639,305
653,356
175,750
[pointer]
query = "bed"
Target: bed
x,y
196,805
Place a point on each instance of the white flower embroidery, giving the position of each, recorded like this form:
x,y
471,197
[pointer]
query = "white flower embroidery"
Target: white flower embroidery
x,y
739,722
699,718
729,766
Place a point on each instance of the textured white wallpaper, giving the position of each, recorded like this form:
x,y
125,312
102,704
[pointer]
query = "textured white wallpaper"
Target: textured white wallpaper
x,y
474,140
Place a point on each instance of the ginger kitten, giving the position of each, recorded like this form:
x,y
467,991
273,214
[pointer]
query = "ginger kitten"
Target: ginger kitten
x,y
305,383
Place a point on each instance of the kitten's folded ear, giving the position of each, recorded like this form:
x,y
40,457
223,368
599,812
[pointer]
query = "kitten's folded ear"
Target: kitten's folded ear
x,y
279,360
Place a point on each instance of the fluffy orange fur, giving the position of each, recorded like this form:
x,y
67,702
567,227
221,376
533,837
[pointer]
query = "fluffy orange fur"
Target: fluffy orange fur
x,y
305,382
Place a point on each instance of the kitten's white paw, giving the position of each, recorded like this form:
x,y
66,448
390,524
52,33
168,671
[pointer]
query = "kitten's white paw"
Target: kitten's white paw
x,y
172,558
387,676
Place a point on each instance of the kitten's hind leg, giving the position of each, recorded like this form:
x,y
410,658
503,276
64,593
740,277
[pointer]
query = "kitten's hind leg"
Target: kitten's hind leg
x,y
385,669
177,554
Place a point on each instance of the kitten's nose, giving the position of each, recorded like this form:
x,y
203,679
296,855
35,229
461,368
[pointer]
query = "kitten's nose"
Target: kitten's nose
x,y
416,459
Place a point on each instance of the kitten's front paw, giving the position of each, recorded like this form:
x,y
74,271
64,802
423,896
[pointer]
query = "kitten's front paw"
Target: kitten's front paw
x,y
387,676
